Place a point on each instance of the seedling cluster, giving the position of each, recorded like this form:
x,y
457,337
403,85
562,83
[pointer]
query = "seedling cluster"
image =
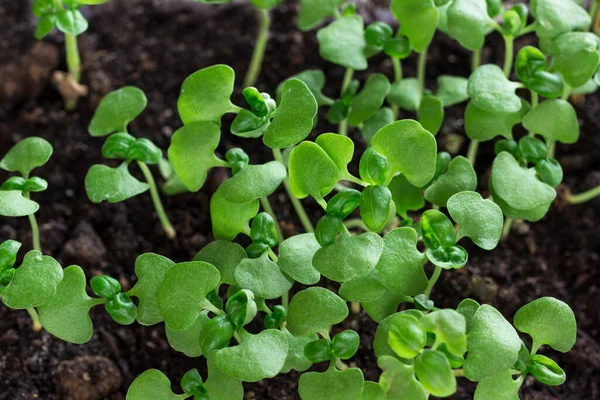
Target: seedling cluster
x,y
410,207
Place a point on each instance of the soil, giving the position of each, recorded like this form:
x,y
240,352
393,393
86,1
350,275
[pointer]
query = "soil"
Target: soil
x,y
155,45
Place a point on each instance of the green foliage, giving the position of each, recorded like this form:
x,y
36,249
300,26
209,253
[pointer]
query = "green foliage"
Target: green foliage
x,y
491,91
103,183
485,125
312,12
369,100
459,177
296,258
558,16
26,155
577,57
312,171
418,21
314,310
451,90
479,219
406,94
331,384
343,43
263,277
116,110
553,119
431,113
469,22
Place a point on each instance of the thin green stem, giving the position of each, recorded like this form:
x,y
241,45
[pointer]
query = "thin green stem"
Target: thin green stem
x,y
266,205
158,206
73,58
397,78
273,256
322,203
585,196
285,299
432,281
351,178
348,75
472,151
528,29
593,13
551,147
506,228
508,54
35,230
259,48
296,203
566,92
476,59
354,223
35,319
422,65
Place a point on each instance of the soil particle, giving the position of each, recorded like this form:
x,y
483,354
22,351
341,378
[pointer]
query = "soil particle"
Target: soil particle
x,y
85,246
87,378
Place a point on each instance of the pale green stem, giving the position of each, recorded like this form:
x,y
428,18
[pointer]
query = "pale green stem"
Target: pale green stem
x,y
343,126
476,59
35,319
506,228
35,230
528,29
593,13
296,203
285,299
72,55
509,55
158,206
432,281
585,196
472,151
422,64
266,205
397,78
354,223
551,147
566,92
259,48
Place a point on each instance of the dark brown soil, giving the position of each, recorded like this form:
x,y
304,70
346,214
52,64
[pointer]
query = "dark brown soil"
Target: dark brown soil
x,y
155,44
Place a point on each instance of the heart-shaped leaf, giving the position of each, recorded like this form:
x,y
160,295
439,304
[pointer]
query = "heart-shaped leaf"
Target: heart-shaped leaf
x,y
479,219
295,258
501,386
112,184
576,57
332,384
369,100
294,117
152,384
219,385
468,22
373,391
116,110
406,94
342,42
34,282
230,219
401,263
406,196
548,321
398,380
431,113
491,91
339,148
183,291
485,125
381,118
363,288
418,21
459,177
192,152
418,165
312,171
258,357
554,17
314,11
225,256
253,182
314,310
295,357
502,347
554,119
150,269
349,257
205,95
71,22
467,308
435,374
187,341
26,155
263,277
13,204
452,90
384,306
66,314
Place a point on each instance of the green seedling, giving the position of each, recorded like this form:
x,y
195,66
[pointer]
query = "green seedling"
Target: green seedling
x,y
104,183
66,16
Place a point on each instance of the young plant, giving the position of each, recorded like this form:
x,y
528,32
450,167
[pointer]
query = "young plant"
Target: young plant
x,y
66,16
104,183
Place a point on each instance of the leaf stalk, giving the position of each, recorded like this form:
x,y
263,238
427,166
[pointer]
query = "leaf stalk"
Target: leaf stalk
x,y
259,48
158,206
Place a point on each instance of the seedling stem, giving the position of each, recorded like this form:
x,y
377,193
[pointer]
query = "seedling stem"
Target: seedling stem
x,y
158,206
432,281
585,196
507,227
343,128
35,319
397,78
421,69
259,48
509,54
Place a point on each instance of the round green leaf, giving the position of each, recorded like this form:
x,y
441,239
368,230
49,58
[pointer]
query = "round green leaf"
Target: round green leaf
x,y
554,119
418,164
263,277
452,90
205,95
349,257
467,308
312,171
554,17
401,263
548,321
295,258
418,21
437,230
71,22
314,11
406,196
34,282
369,100
502,347
451,257
485,125
468,22
13,204
294,117
258,357
405,337
314,310
431,113
295,357
332,384
112,184
435,374
491,91
253,182
225,256
398,380
449,327
384,306
150,269
342,42
363,288
459,177
116,110
27,155
183,291
500,386
406,94
375,206
479,219
187,341
229,219
152,384
44,26
378,120
219,385
576,57
66,314
339,148
192,153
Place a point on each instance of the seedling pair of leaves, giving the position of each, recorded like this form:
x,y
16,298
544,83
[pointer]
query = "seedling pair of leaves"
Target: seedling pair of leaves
x,y
68,20
104,183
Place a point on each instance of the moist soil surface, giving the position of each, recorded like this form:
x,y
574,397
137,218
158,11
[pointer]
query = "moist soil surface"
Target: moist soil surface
x,y
155,45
